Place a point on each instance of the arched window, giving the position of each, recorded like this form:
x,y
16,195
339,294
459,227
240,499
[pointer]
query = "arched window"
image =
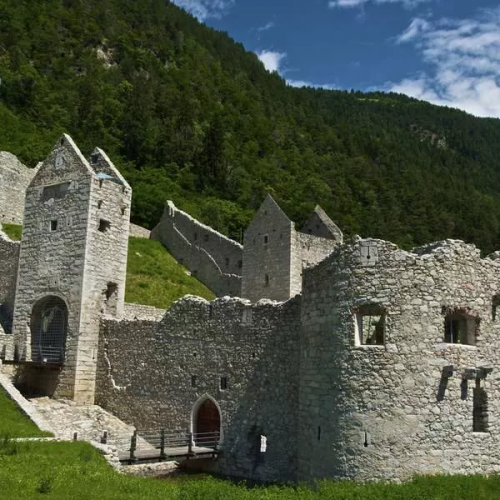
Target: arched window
x,y
49,326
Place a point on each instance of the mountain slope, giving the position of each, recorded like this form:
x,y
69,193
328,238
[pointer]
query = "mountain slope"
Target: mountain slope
x,y
187,114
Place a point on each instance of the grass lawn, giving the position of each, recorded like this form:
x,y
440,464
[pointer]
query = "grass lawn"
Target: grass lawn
x,y
75,470
13,231
13,423
155,278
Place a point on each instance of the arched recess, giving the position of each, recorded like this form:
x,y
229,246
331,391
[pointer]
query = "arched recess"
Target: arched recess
x,y
49,329
206,420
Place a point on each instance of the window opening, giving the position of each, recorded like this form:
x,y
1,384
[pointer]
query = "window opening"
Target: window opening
x,y
193,381
370,321
104,225
319,433
56,191
460,328
99,204
266,239
195,236
263,443
494,305
266,280
111,298
53,225
223,383
366,440
480,409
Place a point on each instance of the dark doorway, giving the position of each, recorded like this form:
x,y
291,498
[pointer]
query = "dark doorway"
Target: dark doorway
x,y
207,422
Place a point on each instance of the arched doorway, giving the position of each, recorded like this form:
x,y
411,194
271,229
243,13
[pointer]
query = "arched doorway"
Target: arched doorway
x,y
207,423
49,327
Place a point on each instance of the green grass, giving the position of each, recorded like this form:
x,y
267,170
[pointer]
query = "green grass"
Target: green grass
x,y
13,423
75,470
155,278
13,231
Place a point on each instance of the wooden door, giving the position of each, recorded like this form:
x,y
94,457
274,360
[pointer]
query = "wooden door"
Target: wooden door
x,y
208,418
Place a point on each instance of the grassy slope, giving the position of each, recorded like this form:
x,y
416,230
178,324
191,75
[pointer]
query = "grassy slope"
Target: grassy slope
x,y
13,423
154,277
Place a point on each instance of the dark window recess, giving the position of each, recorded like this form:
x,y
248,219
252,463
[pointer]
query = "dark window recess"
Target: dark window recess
x,y
111,298
195,236
266,280
104,225
123,210
480,409
371,325
240,264
99,204
494,305
55,192
319,433
460,328
193,380
366,441
53,225
223,383
266,239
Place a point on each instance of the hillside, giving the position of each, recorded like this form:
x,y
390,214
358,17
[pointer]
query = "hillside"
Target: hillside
x,y
187,114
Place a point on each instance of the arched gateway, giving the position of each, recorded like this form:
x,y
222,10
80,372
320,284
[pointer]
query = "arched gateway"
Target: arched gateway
x,y
49,327
206,422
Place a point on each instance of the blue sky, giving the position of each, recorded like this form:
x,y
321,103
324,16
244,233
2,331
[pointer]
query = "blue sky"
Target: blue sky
x,y
443,51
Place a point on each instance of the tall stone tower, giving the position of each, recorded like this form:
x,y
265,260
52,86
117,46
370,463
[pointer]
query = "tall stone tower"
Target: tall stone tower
x,y
72,269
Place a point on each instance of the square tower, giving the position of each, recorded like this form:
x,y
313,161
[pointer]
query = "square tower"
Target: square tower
x,y
72,269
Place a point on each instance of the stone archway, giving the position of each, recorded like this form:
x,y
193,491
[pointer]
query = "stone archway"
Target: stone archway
x,y
49,328
206,421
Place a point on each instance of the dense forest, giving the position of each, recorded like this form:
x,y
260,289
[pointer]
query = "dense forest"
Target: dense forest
x,y
187,114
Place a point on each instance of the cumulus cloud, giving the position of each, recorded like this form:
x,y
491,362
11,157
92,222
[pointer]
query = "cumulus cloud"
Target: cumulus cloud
x,y
464,60
409,4
271,60
203,9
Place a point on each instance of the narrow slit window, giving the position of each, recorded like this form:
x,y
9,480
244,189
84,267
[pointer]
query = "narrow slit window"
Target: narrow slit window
x,y
99,204
370,325
480,409
266,239
494,306
266,280
223,383
263,443
193,381
53,225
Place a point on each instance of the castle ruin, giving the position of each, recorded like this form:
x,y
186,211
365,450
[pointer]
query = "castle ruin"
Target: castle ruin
x,y
350,359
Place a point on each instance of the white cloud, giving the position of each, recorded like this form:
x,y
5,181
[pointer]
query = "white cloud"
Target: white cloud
x,y
271,60
409,4
464,59
266,27
203,9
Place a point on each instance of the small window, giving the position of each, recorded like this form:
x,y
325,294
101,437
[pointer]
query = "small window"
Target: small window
x,y
266,280
263,443
193,381
370,325
494,305
266,239
104,225
223,383
247,316
53,225
460,328
195,236
480,409
99,204
240,264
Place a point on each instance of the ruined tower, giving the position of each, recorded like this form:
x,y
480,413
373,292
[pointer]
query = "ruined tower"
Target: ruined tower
x,y
72,269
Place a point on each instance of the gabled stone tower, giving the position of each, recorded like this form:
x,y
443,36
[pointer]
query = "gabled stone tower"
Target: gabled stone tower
x,y
72,269
274,253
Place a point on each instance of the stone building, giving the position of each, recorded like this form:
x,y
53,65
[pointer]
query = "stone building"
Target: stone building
x,y
353,360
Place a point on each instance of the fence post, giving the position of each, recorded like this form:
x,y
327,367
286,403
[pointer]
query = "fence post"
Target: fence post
x,y
190,444
133,447
162,445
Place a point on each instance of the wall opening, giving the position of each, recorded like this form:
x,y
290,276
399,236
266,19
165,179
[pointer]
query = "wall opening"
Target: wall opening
x,y
263,443
111,299
53,225
193,380
266,239
207,428
370,324
49,327
494,306
104,225
223,383
460,328
266,280
480,409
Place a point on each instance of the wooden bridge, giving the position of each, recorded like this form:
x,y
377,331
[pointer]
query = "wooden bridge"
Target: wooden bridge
x,y
168,445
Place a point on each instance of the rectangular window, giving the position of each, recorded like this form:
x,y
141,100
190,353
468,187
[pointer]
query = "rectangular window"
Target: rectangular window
x,y
266,239
370,325
193,381
104,225
55,192
460,329
480,409
53,225
223,383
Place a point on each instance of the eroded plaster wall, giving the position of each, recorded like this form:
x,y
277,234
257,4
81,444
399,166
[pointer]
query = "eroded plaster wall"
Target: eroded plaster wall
x,y
391,411
145,371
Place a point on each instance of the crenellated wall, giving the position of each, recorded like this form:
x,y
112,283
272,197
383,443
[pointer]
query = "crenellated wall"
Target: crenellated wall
x,y
210,256
145,370
391,411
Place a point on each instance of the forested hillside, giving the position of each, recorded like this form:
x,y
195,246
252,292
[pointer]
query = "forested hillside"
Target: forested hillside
x,y
187,114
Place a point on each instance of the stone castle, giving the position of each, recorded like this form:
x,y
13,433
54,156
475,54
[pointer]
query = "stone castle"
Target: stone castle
x,y
348,359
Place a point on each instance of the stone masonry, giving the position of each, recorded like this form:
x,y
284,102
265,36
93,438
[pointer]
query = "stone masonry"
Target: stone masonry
x,y
343,360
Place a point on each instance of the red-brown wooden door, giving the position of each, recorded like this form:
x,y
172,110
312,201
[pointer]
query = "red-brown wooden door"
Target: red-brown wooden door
x,y
207,420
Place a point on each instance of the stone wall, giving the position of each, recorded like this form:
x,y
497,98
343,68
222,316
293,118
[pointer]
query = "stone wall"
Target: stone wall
x,y
139,232
210,256
145,371
390,411
9,257
14,179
